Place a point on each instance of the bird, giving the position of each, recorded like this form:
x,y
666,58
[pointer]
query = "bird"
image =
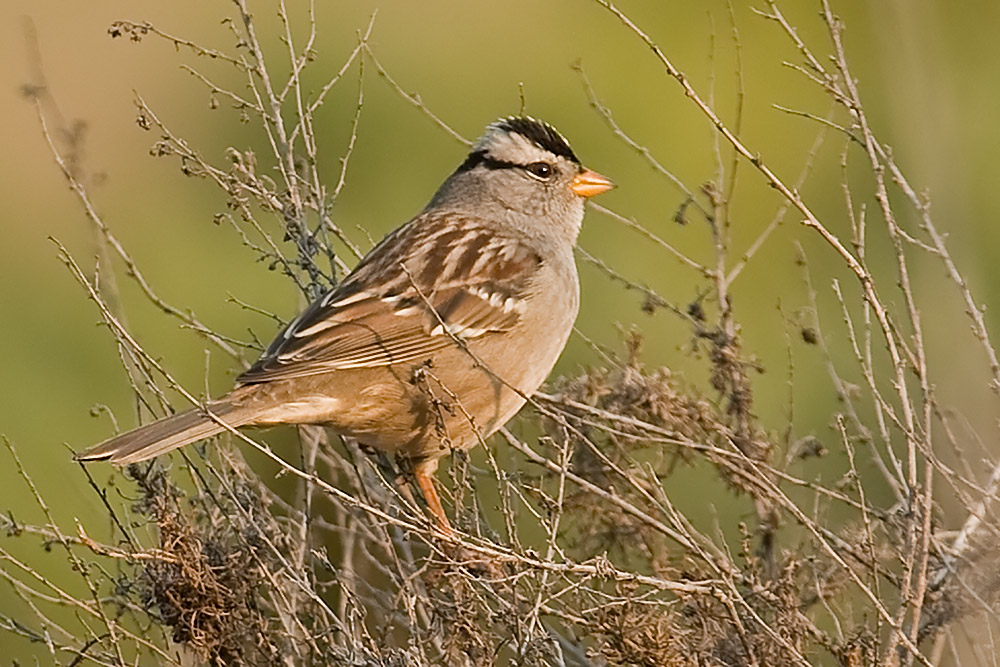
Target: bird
x,y
440,333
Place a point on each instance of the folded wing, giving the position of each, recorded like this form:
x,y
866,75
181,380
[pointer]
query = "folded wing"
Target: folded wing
x,y
445,286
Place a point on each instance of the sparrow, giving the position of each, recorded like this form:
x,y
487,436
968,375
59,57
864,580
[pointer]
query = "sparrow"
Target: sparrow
x,y
440,333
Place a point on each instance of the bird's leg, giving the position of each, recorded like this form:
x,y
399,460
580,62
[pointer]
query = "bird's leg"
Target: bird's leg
x,y
424,474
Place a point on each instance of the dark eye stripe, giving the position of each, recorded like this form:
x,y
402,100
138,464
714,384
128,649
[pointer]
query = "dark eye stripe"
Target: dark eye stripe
x,y
477,158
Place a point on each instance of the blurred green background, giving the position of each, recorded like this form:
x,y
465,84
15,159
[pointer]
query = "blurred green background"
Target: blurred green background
x,y
928,72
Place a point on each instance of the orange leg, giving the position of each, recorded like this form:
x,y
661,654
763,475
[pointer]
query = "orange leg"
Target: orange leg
x,y
424,475
425,481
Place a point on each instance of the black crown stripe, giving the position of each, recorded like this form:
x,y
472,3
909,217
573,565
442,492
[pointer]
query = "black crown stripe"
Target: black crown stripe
x,y
541,134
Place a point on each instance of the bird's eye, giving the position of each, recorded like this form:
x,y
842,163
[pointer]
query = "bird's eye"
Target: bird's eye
x,y
541,170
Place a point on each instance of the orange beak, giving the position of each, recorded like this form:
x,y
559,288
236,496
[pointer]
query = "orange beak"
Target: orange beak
x,y
589,183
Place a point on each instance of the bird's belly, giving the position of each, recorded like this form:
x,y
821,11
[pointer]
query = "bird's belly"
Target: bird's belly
x,y
450,400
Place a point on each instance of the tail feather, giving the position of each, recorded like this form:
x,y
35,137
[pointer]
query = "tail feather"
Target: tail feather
x,y
167,434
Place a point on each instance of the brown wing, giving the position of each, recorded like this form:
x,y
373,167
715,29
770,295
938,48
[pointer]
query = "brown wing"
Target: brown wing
x,y
460,279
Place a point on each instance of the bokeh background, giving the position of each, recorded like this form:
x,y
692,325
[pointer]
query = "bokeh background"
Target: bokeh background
x,y
928,70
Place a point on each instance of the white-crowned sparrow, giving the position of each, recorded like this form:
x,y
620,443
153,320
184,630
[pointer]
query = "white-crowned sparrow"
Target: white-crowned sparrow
x,y
439,333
